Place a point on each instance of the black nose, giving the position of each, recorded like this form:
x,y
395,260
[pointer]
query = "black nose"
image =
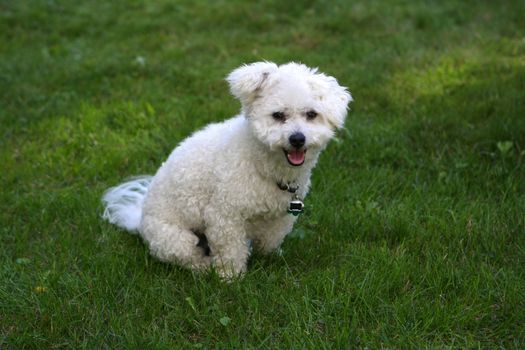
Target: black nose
x,y
297,139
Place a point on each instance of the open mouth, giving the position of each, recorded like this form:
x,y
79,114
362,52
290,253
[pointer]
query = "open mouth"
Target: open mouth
x,y
295,157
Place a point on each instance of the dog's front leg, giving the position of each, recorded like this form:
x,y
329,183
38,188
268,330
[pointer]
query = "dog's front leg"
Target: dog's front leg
x,y
269,234
227,240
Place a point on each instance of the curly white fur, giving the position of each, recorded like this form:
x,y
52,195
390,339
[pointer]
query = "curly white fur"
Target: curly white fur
x,y
221,182
123,203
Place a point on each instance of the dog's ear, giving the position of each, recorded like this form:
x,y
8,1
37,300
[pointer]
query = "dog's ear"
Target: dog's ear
x,y
247,81
332,96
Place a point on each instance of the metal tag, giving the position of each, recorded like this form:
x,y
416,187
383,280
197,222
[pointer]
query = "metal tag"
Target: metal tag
x,y
295,207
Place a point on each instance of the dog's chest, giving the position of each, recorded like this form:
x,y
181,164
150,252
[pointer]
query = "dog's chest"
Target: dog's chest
x,y
270,202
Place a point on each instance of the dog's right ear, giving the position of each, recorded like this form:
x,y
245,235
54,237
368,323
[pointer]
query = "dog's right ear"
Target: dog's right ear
x,y
247,81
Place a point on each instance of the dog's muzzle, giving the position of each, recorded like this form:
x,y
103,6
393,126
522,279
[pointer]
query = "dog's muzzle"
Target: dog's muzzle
x,y
296,155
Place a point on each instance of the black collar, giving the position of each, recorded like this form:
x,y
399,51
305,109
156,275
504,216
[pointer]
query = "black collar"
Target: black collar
x,y
290,187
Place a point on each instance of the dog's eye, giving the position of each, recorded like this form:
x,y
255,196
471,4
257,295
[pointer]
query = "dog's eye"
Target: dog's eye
x,y
279,116
311,115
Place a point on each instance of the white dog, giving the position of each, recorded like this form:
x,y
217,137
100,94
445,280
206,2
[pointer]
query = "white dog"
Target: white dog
x,y
238,181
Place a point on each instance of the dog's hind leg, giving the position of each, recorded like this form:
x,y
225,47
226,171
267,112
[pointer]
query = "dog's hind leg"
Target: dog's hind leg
x,y
172,243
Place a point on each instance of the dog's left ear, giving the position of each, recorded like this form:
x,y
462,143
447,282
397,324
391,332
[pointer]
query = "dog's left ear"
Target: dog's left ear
x,y
246,81
332,96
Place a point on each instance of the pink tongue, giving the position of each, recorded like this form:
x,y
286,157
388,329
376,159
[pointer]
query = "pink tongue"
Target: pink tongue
x,y
296,157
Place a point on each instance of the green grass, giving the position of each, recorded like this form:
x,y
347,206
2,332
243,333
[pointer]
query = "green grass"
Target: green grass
x,y
415,231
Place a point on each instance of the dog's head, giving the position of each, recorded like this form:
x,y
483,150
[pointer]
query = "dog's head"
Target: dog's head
x,y
292,109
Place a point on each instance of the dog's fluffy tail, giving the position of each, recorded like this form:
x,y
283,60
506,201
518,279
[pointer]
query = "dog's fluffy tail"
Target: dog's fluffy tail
x,y
123,203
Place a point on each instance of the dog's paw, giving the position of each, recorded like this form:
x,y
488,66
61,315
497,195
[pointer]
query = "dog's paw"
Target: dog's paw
x,y
229,272
202,265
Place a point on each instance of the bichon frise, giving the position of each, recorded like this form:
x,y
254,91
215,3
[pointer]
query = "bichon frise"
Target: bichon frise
x,y
239,181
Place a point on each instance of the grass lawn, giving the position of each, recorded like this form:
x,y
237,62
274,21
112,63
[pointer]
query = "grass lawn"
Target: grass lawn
x,y
415,230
